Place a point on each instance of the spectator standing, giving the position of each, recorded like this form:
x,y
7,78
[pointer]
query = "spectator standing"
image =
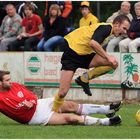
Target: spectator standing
x,y
132,43
88,18
10,28
54,30
32,29
124,10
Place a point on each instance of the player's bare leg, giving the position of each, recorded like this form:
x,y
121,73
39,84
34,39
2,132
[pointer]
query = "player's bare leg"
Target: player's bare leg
x,y
60,119
64,118
65,81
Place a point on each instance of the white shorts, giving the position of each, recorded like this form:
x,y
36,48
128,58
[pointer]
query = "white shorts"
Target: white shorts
x,y
43,112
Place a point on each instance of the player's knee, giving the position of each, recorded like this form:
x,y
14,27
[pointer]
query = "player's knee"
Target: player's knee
x,y
72,107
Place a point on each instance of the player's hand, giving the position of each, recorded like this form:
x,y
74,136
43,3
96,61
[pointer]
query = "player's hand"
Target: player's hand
x,y
113,61
28,104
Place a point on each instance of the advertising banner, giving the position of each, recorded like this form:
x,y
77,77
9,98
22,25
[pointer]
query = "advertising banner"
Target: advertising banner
x,y
130,67
44,69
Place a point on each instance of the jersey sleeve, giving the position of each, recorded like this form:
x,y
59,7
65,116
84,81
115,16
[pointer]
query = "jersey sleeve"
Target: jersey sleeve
x,y
101,33
39,21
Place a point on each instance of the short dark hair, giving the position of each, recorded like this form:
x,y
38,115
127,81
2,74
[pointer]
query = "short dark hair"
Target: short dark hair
x,y
29,6
2,73
121,19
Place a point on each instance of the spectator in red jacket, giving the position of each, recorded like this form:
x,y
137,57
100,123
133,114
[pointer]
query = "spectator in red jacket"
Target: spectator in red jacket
x,y
20,8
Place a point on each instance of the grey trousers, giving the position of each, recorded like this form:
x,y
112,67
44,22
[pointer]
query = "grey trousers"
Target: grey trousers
x,y
129,45
5,42
114,42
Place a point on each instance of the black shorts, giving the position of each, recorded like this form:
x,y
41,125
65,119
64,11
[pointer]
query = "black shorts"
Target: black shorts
x,y
71,60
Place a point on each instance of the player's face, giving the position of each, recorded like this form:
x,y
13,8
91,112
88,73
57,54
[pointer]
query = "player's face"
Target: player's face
x,y
121,28
6,83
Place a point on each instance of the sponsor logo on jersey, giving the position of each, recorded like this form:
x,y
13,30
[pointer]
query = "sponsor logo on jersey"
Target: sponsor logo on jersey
x,y
20,94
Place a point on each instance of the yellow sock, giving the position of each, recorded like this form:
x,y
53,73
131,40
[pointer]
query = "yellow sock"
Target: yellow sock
x,y
84,77
98,71
57,103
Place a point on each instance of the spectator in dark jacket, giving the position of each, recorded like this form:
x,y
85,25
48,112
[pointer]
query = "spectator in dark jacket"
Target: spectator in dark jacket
x,y
66,9
132,43
54,30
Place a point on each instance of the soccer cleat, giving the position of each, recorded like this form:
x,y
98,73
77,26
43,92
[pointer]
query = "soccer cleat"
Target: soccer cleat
x,y
114,107
84,85
115,120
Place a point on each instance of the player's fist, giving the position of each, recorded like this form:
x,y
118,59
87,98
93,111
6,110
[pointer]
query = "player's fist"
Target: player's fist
x,y
113,61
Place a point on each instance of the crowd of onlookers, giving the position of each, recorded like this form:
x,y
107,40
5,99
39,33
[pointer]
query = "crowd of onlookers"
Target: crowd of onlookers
x,y
22,29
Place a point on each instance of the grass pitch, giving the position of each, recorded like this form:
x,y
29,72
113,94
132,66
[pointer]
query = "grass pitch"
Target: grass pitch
x,y
129,129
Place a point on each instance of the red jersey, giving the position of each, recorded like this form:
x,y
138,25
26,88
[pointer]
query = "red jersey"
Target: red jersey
x,y
11,103
31,24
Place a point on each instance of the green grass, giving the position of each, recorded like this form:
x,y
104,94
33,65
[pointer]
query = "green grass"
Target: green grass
x,y
128,129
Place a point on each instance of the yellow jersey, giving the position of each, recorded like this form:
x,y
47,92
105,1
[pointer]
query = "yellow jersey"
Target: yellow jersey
x,y
80,38
89,20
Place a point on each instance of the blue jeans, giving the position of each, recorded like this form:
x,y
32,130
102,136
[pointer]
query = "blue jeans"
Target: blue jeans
x,y
69,29
50,44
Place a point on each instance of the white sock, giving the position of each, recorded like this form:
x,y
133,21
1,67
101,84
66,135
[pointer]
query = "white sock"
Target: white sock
x,y
96,121
86,109
105,121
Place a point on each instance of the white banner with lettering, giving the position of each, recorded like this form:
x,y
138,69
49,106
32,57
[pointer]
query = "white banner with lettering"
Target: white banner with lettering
x,y
44,69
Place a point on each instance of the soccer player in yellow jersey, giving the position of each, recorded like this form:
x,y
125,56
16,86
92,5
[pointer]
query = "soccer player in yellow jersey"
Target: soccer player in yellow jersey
x,y
84,50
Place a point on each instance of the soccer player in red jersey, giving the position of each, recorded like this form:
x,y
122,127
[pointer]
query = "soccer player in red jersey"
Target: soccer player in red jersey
x,y
22,105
